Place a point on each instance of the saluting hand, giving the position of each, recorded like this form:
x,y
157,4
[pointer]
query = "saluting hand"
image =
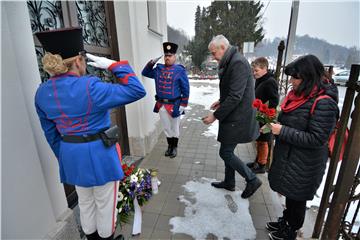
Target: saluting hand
x,y
99,62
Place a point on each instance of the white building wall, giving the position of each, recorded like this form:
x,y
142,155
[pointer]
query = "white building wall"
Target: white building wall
x,y
138,45
32,196
33,199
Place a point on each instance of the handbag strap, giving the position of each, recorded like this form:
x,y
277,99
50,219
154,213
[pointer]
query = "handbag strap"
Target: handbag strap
x,y
315,102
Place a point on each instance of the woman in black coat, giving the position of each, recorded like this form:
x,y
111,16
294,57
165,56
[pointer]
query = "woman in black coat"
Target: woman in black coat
x,y
266,89
301,151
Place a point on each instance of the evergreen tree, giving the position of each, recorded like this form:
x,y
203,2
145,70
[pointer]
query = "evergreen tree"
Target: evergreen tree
x,y
238,21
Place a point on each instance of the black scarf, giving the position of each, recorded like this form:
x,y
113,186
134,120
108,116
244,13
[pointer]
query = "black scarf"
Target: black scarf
x,y
226,59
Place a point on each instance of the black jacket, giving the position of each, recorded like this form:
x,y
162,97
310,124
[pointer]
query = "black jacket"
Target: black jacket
x,y
266,89
236,115
301,151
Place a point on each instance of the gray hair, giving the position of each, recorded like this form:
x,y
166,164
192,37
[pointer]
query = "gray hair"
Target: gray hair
x,y
219,40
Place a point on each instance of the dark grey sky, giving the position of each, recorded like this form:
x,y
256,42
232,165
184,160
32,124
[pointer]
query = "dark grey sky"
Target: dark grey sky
x,y
334,21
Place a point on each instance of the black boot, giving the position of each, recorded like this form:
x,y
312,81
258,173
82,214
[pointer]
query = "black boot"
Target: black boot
x,y
93,236
276,226
170,143
119,237
284,233
258,168
251,188
251,164
223,185
174,147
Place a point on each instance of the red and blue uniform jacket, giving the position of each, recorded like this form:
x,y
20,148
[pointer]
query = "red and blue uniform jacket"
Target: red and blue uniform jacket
x,y
171,83
70,104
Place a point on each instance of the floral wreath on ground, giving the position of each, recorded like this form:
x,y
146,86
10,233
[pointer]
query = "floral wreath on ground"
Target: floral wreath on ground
x,y
135,184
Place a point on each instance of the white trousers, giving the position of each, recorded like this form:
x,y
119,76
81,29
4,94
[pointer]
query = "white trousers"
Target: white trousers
x,y
171,125
98,208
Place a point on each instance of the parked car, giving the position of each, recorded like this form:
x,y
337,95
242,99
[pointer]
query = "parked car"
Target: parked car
x,y
341,78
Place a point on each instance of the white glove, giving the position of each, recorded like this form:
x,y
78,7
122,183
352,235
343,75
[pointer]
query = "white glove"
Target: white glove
x,y
181,109
99,62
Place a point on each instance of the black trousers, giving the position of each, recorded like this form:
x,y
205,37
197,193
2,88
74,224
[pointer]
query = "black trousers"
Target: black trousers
x,y
233,163
294,213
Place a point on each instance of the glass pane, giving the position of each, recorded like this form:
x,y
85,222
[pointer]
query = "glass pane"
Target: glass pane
x,y
92,18
105,75
44,15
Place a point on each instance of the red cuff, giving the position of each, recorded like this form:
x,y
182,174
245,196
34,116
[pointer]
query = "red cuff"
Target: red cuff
x,y
125,79
124,62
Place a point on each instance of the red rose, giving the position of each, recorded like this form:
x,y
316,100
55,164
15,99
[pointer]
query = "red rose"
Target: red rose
x,y
271,113
256,103
263,108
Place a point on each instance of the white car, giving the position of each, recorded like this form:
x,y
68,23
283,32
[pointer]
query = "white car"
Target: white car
x,y
341,77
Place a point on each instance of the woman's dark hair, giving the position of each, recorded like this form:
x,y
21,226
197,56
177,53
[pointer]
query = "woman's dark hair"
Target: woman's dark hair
x,y
310,70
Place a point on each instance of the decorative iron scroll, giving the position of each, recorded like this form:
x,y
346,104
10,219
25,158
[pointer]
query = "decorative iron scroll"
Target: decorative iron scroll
x,y
45,15
105,75
350,226
92,18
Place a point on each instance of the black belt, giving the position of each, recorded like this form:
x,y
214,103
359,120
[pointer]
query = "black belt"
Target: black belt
x,y
166,100
80,139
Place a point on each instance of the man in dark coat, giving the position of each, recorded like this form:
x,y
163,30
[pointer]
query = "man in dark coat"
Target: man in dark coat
x,y
266,89
235,113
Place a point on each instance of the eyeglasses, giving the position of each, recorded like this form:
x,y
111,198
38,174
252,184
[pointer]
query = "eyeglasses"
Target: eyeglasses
x,y
295,76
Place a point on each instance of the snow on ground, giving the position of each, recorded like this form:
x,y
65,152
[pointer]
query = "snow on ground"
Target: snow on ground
x,y
203,202
212,130
206,95
205,81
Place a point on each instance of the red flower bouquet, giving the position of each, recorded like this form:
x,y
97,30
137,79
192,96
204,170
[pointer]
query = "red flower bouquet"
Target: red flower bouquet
x,y
264,114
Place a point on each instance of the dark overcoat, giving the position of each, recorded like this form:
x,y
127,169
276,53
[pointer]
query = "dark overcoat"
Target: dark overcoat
x,y
301,150
266,89
236,115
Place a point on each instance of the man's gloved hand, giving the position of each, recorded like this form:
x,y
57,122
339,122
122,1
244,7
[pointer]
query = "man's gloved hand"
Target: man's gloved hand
x,y
99,62
152,62
182,109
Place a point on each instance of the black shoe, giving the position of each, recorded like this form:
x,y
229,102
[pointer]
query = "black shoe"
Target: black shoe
x,y
173,152
170,144
250,164
223,185
285,233
258,168
168,151
251,188
93,236
275,226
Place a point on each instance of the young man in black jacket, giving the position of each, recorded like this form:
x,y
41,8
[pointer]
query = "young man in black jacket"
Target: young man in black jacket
x,y
266,89
235,113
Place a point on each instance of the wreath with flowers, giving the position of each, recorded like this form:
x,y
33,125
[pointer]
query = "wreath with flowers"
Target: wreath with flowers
x,y
136,184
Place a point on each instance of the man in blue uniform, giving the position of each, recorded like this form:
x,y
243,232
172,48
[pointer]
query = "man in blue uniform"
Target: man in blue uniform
x,y
74,113
172,94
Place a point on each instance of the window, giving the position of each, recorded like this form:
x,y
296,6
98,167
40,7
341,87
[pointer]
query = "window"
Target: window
x,y
154,17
